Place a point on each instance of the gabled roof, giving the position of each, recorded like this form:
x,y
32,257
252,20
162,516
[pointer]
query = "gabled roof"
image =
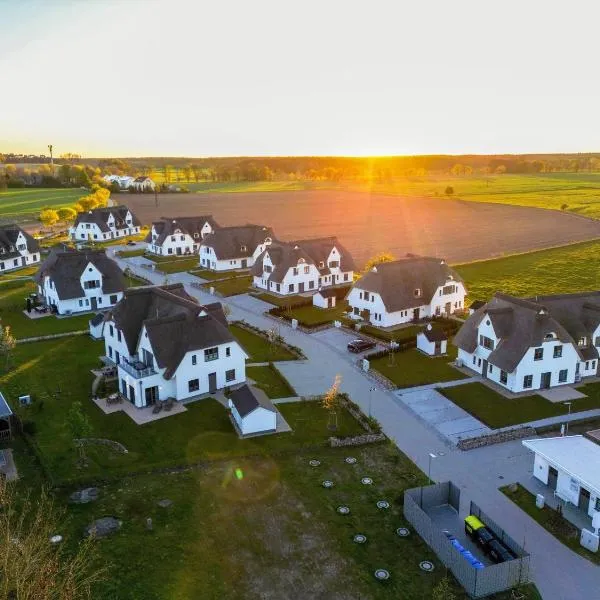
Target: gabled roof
x,y
526,323
65,268
397,281
175,322
141,179
476,304
96,319
246,400
189,225
285,255
434,333
99,216
327,292
229,242
8,241
574,454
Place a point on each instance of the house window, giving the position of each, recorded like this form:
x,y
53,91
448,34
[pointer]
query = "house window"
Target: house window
x,y
562,375
278,287
417,293
372,297
587,365
291,287
486,342
490,368
311,285
557,351
211,354
582,342
478,362
228,351
345,276
334,263
528,381
306,270
295,271
503,377
90,285
80,302
448,289
112,331
597,507
113,299
119,335
538,354
99,299
109,352
268,268
230,375
474,359
193,385
194,359
593,364
173,238
597,342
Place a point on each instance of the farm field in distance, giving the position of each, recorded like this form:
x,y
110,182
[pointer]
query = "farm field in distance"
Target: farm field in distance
x,y
24,204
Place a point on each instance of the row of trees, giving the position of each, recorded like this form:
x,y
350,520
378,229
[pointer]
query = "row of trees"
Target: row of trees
x,y
98,198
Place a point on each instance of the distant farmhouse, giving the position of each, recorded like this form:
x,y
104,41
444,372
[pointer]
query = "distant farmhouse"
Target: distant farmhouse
x,y
17,248
123,181
303,266
406,290
166,345
101,224
229,248
142,184
79,281
179,235
533,344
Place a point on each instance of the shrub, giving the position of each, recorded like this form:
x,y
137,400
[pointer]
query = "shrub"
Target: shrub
x,y
29,427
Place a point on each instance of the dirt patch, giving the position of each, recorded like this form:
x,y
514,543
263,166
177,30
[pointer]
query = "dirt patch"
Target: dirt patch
x,y
366,223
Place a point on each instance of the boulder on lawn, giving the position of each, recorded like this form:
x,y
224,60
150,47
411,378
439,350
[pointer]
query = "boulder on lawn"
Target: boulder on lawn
x,y
102,527
84,496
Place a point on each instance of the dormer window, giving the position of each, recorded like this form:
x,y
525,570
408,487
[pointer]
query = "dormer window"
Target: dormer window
x,y
417,292
321,265
550,336
582,342
243,249
301,261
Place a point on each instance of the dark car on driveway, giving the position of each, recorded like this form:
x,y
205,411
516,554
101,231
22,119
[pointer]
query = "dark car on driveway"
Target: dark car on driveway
x,y
359,345
131,243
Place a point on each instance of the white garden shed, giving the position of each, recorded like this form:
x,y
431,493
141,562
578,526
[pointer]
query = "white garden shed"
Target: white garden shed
x,y
252,411
432,341
96,326
325,298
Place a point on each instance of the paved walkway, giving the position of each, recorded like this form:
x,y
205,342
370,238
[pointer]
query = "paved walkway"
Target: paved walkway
x,y
559,573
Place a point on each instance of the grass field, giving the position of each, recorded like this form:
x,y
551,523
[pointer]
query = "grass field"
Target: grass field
x,y
231,287
313,316
26,204
496,411
258,348
412,368
271,381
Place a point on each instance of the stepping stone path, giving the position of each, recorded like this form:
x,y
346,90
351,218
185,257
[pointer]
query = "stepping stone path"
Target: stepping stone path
x,y
165,503
403,531
343,510
56,539
314,463
84,496
383,504
103,527
382,574
327,484
366,481
351,460
426,565
359,538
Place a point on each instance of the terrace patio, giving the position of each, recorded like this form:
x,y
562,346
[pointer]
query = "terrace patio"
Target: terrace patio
x,y
116,403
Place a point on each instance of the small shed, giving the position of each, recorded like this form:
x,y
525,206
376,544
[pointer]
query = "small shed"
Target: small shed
x,y
325,298
6,416
96,326
476,304
432,341
252,411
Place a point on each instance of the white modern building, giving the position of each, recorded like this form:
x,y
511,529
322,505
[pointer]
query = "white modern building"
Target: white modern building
x,y
432,341
303,266
570,467
100,224
179,236
325,298
123,181
252,411
230,248
166,345
406,290
142,184
79,281
531,344
17,248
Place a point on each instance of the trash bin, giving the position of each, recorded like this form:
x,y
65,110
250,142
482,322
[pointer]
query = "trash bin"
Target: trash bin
x,y
540,501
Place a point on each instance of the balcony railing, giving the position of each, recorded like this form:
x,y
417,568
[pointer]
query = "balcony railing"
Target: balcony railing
x,y
137,369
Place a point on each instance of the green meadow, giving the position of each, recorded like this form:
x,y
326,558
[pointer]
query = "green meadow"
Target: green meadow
x,y
26,204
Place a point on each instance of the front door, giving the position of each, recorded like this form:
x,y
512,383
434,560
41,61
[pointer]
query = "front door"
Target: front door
x,y
416,313
448,308
545,382
132,394
212,382
301,286
23,261
484,369
329,302
552,478
584,500
438,348
178,251
94,303
244,263
151,395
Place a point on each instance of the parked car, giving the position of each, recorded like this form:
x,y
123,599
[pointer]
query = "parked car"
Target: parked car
x,y
131,243
359,345
498,552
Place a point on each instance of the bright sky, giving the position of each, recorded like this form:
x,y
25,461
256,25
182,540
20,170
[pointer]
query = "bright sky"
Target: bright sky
x,y
275,77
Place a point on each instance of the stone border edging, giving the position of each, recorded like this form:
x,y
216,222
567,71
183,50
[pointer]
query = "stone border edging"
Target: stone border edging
x,y
496,438
53,336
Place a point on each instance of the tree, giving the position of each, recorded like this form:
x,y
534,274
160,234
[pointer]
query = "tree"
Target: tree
x,y
66,214
443,591
7,344
330,402
449,191
500,170
382,257
48,217
10,171
64,173
79,427
31,566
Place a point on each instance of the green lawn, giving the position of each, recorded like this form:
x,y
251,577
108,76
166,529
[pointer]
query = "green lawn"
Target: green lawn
x,y
555,271
19,273
231,287
12,304
412,368
551,521
282,301
258,348
313,316
25,204
270,380
177,266
131,253
496,411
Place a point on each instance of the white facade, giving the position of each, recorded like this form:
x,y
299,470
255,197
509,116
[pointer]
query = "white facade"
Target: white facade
x,y
91,231
142,184
96,330
371,305
429,347
199,372
540,367
324,301
123,181
24,259
93,297
210,260
260,420
178,243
